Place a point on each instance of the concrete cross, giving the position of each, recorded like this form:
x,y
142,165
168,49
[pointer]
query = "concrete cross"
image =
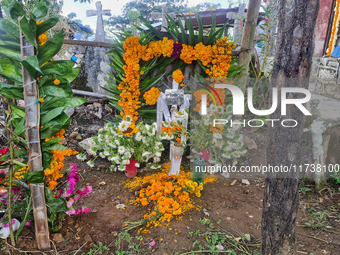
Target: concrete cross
x,y
100,34
157,15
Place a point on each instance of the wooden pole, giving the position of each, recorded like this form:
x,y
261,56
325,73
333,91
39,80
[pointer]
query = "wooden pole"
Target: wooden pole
x,y
34,150
248,39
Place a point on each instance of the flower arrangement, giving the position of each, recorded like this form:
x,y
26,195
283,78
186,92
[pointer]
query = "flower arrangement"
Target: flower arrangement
x,y
151,96
215,59
168,195
335,29
142,146
178,76
173,130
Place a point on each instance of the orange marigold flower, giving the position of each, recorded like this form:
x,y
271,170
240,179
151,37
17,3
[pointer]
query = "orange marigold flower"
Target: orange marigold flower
x,y
178,76
56,82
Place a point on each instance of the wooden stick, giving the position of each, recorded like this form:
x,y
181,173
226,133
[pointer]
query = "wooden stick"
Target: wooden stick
x,y
88,43
34,150
91,94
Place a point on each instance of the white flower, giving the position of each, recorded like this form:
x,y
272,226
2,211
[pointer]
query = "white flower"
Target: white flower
x,y
236,154
91,152
117,142
227,156
127,154
155,166
138,136
217,136
196,122
112,145
155,160
121,150
90,163
126,162
113,168
106,153
137,164
128,118
120,206
101,155
213,108
124,125
219,109
146,154
81,157
121,167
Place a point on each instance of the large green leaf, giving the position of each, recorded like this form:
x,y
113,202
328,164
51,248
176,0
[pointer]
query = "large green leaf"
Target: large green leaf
x,y
74,102
71,75
40,10
20,128
31,64
58,91
8,51
50,130
17,153
11,91
35,177
9,28
50,147
46,25
50,48
61,67
13,9
51,115
63,120
54,204
200,28
17,111
29,29
10,70
10,44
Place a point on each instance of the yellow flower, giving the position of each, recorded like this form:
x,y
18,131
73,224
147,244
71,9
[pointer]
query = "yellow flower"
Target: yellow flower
x,y
56,82
41,100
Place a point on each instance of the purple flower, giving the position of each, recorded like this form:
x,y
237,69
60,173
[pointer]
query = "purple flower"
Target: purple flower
x,y
28,223
177,49
59,194
85,210
220,247
152,244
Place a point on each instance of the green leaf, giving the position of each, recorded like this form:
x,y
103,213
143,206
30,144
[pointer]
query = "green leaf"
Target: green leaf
x,y
17,153
46,25
13,9
54,204
50,131
31,64
9,28
51,115
47,158
49,147
29,29
50,48
58,91
20,128
17,111
74,102
60,67
40,10
53,141
35,177
11,91
71,75
200,28
63,120
10,70
151,28
8,51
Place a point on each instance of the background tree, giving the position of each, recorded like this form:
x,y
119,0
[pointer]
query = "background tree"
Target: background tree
x,y
293,59
72,15
145,7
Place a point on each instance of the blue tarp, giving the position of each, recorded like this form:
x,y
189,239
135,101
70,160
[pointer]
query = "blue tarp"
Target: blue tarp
x,y
336,52
85,29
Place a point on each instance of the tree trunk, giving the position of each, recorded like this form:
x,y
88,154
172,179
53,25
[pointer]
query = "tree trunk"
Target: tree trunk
x,y
293,59
248,39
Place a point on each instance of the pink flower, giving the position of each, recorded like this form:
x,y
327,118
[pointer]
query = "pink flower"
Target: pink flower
x,y
85,210
59,194
28,223
220,247
240,23
7,224
77,197
85,191
71,212
152,244
266,19
70,203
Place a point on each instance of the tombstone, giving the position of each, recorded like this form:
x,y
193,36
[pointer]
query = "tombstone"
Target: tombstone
x,y
237,31
100,33
157,15
176,98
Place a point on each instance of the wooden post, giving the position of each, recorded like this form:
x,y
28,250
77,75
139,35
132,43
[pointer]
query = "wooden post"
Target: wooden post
x,y
248,39
34,151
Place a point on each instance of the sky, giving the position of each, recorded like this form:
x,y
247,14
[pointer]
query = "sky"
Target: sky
x,y
115,6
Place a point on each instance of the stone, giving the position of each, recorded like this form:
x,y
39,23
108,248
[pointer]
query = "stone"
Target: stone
x,y
69,112
249,143
79,137
248,237
25,232
233,183
57,238
245,181
88,238
99,12
73,135
90,107
99,113
97,105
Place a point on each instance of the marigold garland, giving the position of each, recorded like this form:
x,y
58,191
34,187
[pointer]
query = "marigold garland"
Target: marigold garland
x,y
169,195
178,76
335,29
215,58
151,96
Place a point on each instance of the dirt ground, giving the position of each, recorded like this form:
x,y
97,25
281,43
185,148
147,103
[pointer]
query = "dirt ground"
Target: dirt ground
x,y
233,210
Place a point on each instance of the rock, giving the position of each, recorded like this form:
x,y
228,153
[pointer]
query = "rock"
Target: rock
x,y
57,238
86,144
102,183
69,112
115,233
237,239
101,166
248,237
73,135
251,216
249,143
97,105
25,232
245,181
99,113
79,137
90,107
233,183
88,238
228,218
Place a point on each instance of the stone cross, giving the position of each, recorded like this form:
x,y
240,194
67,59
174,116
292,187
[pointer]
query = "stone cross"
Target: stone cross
x,y
237,33
100,34
157,15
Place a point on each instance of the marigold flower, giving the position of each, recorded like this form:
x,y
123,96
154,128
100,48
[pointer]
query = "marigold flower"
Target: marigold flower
x,y
56,82
41,100
178,76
